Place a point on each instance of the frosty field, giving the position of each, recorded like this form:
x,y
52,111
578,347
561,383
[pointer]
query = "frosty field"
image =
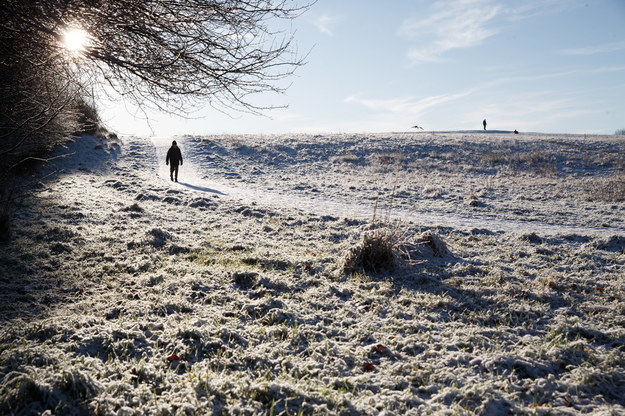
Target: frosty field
x,y
126,294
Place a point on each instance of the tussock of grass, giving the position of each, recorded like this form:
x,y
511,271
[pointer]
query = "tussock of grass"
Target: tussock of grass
x,y
159,237
387,248
389,158
377,250
614,243
245,279
28,392
133,208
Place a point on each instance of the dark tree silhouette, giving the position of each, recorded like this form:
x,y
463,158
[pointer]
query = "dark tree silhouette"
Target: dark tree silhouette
x,y
164,50
161,53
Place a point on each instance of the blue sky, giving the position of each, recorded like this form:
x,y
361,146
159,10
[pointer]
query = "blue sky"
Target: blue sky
x,y
554,66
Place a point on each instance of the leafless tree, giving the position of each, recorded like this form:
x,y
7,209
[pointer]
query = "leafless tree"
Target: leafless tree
x,y
36,100
166,51
163,53
171,51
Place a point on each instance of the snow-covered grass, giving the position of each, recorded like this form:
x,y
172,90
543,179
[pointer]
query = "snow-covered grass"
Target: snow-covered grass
x,y
126,294
538,177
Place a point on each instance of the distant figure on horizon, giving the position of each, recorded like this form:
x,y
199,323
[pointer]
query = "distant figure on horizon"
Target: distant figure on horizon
x,y
175,157
484,123
516,131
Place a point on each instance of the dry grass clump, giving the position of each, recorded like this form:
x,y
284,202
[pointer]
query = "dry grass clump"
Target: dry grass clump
x,y
611,189
429,245
378,249
387,248
159,237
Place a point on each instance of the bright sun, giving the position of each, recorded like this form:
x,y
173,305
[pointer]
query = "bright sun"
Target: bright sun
x,y
75,40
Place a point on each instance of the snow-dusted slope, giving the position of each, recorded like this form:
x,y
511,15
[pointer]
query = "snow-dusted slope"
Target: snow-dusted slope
x,y
126,294
238,167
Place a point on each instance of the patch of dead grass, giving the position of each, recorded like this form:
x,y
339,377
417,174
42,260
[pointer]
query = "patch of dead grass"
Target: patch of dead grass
x,y
610,189
378,249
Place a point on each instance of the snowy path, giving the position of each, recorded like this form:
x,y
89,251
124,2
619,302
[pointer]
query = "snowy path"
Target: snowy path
x,y
191,178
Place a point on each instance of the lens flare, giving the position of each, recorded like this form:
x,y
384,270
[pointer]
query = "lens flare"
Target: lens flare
x,y
75,40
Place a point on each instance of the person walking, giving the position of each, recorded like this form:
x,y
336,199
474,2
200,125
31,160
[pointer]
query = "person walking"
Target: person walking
x,y
484,123
174,156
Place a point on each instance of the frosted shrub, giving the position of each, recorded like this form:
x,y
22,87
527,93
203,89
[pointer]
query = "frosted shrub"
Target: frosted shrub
x,y
379,249
159,237
387,248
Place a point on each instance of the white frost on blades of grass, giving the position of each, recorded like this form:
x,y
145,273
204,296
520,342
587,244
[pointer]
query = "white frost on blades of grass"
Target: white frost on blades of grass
x,y
511,325
284,160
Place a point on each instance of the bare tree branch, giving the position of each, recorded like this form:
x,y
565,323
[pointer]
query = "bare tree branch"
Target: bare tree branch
x,y
164,54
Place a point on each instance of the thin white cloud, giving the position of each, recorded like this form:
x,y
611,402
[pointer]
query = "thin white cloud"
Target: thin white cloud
x,y
597,49
454,24
538,8
324,24
458,24
408,105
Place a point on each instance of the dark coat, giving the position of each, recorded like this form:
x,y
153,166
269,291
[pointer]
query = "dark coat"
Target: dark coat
x,y
174,156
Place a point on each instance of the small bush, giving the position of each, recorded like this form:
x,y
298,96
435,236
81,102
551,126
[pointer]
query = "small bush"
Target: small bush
x,y
620,132
379,249
387,248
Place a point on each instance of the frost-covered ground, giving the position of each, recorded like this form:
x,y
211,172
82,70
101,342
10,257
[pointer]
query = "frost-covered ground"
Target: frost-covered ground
x,y
458,178
123,293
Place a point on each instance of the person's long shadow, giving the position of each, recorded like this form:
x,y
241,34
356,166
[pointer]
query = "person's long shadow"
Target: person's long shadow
x,y
201,188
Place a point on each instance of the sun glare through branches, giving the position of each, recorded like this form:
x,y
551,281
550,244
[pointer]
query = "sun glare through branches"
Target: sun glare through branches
x,y
75,40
